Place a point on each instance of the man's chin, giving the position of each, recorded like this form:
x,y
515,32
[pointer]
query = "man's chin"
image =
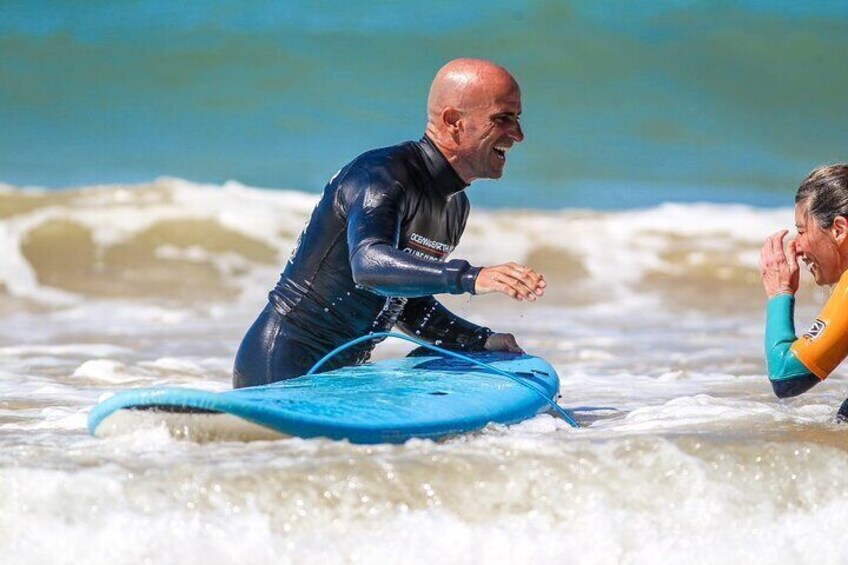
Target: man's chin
x,y
496,173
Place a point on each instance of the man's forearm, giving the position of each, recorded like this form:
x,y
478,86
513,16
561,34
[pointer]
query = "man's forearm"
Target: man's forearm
x,y
426,318
389,271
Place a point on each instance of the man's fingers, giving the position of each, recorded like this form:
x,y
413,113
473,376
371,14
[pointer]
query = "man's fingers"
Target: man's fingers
x,y
533,279
510,290
502,342
518,285
525,275
502,286
514,280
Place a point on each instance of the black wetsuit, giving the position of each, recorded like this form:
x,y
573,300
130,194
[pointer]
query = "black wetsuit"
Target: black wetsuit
x,y
372,256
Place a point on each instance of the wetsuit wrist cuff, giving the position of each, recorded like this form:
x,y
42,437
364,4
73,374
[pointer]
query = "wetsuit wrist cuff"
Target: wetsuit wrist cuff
x,y
481,336
469,279
781,299
460,276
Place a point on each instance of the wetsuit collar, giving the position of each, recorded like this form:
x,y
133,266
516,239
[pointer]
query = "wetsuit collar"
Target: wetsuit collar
x,y
446,180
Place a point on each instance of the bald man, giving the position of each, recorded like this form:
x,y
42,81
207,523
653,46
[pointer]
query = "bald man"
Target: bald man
x,y
375,250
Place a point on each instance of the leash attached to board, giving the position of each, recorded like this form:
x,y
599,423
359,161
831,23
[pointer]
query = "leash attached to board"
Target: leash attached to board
x,y
563,413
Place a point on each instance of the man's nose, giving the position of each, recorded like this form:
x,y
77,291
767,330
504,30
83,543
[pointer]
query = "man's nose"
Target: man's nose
x,y
517,134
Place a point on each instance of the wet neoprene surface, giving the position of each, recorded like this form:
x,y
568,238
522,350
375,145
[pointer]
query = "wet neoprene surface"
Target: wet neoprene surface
x,y
372,255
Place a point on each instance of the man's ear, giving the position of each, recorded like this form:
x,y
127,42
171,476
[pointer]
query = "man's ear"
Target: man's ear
x,y
452,119
839,230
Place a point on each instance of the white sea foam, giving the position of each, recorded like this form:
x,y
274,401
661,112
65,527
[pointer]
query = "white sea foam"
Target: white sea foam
x,y
106,370
494,498
66,349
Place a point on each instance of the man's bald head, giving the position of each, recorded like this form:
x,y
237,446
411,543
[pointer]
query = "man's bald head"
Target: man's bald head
x,y
464,84
473,116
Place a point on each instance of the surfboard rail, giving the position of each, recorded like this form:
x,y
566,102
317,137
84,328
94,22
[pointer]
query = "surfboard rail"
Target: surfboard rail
x,y
385,402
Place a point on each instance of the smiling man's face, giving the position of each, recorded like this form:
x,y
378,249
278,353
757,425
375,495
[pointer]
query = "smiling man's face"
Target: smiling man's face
x,y
490,128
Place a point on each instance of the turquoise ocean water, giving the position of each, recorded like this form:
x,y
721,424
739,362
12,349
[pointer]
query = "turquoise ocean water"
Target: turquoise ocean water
x,y
626,104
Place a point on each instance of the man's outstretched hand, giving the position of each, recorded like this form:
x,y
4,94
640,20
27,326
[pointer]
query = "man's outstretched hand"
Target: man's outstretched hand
x,y
502,342
517,281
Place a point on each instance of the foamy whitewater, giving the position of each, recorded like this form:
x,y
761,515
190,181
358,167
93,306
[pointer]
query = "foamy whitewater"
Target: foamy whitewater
x,y
653,319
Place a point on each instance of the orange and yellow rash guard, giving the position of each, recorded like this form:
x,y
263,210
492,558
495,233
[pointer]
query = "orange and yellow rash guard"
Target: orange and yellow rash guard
x,y
797,364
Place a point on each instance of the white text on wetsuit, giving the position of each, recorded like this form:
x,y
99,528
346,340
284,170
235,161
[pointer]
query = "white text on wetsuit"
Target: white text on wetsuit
x,y
426,248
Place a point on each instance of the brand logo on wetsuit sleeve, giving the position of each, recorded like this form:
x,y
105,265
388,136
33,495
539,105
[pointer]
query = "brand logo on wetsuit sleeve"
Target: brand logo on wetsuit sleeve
x,y
426,248
815,330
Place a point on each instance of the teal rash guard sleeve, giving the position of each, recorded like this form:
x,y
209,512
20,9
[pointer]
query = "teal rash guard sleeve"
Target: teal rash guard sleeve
x,y
788,375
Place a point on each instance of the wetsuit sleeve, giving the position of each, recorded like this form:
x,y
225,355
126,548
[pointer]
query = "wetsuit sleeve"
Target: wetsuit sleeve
x,y
797,364
373,236
427,319
787,374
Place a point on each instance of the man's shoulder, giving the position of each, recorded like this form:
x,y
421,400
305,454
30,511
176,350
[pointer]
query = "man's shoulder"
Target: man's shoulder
x,y
394,159
385,168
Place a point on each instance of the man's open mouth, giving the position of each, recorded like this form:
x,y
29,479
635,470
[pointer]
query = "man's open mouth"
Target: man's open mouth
x,y
501,150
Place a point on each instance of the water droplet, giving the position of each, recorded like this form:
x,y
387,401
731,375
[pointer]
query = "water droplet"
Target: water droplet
x,y
438,342
417,332
326,309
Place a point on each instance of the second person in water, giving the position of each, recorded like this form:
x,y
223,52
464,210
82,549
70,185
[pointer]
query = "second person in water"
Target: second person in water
x,y
796,364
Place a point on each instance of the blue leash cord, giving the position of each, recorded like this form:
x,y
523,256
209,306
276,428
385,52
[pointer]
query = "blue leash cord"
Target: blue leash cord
x,y
557,408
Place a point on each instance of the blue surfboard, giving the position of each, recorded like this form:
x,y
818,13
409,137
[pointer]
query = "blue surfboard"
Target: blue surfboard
x,y
385,402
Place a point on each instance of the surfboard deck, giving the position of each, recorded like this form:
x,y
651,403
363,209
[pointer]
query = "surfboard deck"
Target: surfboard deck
x,y
388,401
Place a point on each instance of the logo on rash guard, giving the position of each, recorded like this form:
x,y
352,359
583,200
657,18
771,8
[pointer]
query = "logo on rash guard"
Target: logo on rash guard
x,y
815,330
425,248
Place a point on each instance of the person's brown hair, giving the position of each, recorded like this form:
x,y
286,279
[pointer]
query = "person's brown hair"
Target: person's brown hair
x,y
825,192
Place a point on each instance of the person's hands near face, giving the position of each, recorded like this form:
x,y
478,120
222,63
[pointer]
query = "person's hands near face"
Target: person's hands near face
x,y
517,281
779,268
502,342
